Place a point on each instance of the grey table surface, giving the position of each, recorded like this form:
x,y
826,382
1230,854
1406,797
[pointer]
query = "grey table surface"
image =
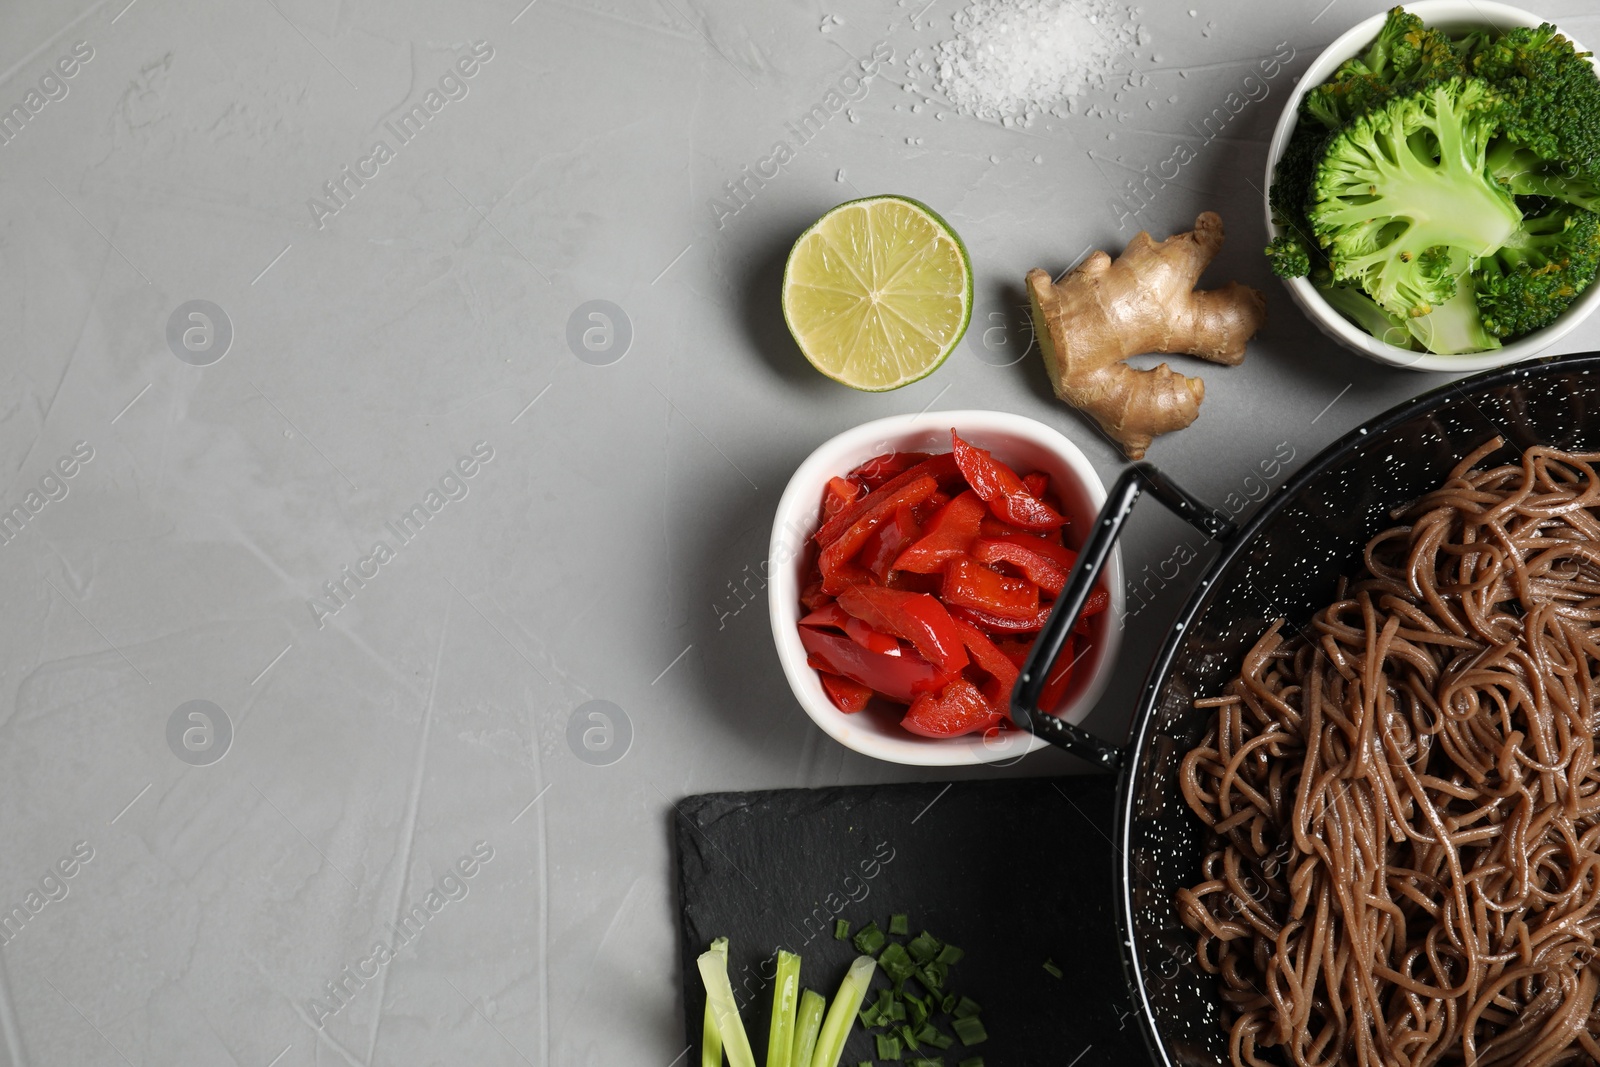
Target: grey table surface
x,y
426,740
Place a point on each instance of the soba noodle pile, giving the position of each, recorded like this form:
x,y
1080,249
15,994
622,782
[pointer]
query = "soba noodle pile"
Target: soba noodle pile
x,y
1405,798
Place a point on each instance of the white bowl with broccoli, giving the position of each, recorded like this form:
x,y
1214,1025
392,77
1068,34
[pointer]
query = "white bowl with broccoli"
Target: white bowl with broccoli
x,y
1435,187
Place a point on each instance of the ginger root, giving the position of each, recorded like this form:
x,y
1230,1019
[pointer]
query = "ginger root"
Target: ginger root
x,y
1143,301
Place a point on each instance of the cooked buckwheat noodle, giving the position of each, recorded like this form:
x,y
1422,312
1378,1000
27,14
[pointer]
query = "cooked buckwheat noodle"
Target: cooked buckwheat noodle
x,y
1404,799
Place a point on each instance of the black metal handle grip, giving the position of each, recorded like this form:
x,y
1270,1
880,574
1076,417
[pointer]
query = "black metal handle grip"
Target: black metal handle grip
x,y
1025,711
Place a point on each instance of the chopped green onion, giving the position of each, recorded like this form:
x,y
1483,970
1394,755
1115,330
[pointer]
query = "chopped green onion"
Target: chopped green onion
x,y
923,947
710,1036
937,1061
895,962
939,1041
842,1013
932,976
909,1038
871,1016
918,1009
785,998
888,1047
970,1030
948,1003
897,1011
899,924
1050,966
966,1007
870,939
950,955
841,929
720,1002
808,1023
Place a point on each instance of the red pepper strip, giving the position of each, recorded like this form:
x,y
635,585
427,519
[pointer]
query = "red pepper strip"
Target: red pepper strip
x,y
999,530
912,582
993,625
1037,483
988,657
837,572
832,615
1060,676
960,708
940,466
1013,648
1062,556
888,541
915,617
899,678
929,508
1002,490
1037,567
948,534
879,469
969,584
812,597
837,495
847,695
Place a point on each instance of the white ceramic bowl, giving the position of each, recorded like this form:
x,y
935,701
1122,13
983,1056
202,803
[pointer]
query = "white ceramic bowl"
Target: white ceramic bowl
x,y
1452,15
1026,445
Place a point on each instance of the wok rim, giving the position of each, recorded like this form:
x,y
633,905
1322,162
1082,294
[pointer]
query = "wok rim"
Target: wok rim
x,y
1161,665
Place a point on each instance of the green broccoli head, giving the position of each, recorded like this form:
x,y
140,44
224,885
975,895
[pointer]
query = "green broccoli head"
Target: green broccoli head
x,y
1550,97
1288,256
1527,283
1404,57
1402,200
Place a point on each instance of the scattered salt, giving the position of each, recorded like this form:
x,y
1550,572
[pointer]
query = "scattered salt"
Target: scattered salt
x,y
1013,59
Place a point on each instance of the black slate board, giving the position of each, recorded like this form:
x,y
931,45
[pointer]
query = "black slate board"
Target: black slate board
x,y
1012,871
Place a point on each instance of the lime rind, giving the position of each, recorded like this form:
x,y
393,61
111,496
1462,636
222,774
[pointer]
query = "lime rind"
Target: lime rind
x,y
912,327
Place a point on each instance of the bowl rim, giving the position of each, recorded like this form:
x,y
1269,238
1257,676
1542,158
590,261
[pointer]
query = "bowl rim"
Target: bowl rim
x,y
795,520
1323,315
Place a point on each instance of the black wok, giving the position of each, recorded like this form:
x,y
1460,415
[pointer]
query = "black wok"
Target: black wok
x,y
1284,563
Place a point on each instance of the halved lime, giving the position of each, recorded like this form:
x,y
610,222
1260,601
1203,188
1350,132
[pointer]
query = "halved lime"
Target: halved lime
x,y
877,292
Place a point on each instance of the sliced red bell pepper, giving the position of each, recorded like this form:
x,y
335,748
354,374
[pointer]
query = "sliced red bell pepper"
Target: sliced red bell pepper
x,y
1059,554
1000,530
1037,483
811,595
940,466
929,508
899,677
912,582
994,625
989,659
879,469
832,615
959,708
915,617
888,541
1014,648
1001,489
847,695
838,573
970,584
1060,676
1036,566
947,535
837,495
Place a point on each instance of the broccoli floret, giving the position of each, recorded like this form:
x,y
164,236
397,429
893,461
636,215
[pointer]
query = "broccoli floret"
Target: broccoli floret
x,y
1403,201
1288,256
1524,173
1455,326
1292,254
1404,57
1531,280
1550,98
1362,310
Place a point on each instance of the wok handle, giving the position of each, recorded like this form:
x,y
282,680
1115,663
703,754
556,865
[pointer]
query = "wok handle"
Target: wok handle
x,y
1080,583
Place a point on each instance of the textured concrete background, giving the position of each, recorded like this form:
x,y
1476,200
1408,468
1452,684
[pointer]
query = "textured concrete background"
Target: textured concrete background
x,y
607,543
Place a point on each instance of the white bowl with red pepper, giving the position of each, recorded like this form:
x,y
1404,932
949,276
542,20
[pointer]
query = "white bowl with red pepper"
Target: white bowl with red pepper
x,y
913,561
